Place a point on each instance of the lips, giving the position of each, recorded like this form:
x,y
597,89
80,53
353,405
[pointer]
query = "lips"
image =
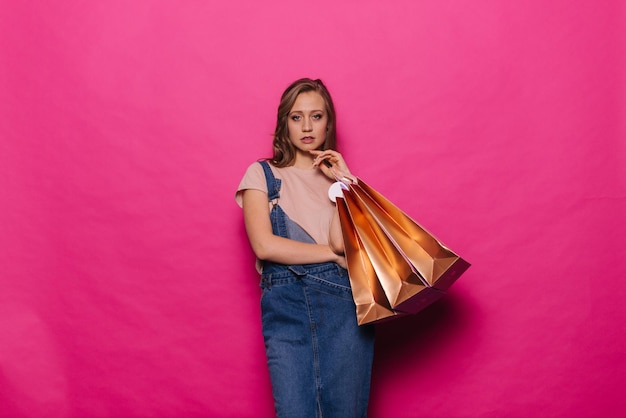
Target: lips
x,y
307,139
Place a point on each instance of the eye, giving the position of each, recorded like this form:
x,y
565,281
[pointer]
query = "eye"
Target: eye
x,y
296,117
318,116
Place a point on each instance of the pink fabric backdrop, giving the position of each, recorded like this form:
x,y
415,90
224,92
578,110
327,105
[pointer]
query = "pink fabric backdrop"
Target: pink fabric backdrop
x,y
127,287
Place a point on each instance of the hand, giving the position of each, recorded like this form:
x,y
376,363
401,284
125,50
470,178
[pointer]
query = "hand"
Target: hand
x,y
341,260
338,169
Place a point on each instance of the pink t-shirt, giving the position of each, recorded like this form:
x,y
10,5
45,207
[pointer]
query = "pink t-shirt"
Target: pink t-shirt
x,y
303,196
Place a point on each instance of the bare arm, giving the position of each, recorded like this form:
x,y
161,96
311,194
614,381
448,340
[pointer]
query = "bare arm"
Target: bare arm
x,y
268,246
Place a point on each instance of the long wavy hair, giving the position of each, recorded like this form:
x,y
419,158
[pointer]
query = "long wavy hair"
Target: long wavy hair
x,y
284,152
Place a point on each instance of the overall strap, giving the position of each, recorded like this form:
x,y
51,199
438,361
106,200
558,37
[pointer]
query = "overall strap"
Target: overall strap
x,y
273,184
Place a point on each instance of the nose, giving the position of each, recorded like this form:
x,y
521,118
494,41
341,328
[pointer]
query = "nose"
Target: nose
x,y
307,126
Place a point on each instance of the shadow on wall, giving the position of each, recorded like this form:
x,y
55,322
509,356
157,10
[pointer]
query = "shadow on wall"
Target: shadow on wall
x,y
411,344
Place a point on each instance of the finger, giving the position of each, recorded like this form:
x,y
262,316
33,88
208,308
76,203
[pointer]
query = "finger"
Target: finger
x,y
333,156
323,156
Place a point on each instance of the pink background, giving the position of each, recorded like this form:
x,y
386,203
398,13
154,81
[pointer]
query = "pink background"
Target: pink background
x,y
127,285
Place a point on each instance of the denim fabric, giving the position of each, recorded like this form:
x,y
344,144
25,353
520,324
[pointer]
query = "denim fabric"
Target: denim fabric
x,y
281,223
319,358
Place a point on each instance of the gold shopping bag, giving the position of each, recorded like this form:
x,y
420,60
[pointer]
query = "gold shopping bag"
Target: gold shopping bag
x,y
408,263
369,297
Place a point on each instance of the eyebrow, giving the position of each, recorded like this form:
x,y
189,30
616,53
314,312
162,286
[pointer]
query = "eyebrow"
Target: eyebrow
x,y
302,111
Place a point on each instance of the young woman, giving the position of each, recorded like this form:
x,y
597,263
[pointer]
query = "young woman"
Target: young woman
x,y
319,358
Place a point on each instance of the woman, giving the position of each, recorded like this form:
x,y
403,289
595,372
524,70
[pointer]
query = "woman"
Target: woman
x,y
319,358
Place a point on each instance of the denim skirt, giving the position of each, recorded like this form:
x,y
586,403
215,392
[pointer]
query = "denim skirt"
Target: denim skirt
x,y
319,358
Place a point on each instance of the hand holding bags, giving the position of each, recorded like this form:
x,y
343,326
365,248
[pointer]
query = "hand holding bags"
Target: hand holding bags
x,y
395,266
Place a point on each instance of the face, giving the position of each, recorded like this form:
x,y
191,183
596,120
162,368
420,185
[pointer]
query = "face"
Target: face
x,y
307,122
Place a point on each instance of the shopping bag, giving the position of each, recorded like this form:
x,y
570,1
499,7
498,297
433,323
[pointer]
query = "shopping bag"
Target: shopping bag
x,y
387,250
369,297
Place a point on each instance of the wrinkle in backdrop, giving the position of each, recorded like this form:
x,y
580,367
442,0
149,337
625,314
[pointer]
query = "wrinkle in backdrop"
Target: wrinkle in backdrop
x,y
128,286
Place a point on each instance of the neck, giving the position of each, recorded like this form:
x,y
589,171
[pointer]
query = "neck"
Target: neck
x,y
303,161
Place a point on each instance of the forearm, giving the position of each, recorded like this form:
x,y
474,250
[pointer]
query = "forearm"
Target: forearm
x,y
287,251
267,246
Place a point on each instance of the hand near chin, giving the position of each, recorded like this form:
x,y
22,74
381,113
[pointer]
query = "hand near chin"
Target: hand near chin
x,y
331,163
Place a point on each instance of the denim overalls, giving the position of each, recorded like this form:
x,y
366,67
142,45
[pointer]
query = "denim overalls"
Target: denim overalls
x,y
319,359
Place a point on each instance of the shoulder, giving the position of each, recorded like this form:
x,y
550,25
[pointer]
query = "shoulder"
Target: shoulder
x,y
253,178
254,167
255,171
